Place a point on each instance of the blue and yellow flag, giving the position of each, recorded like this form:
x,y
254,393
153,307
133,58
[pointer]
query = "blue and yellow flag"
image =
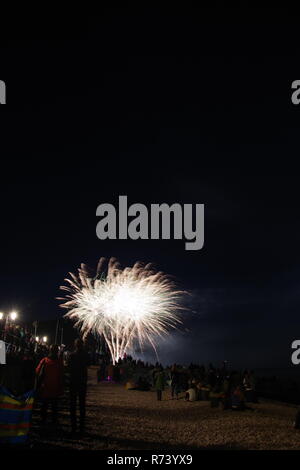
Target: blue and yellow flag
x,y
15,416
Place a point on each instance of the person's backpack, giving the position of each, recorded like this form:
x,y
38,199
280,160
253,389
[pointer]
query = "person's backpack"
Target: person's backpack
x,y
297,420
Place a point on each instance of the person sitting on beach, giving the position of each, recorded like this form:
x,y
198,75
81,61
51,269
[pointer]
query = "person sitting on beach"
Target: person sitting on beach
x,y
238,399
248,387
226,398
191,393
143,384
198,390
205,390
252,382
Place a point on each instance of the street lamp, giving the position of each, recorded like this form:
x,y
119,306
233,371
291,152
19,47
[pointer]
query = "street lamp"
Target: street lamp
x,y
45,339
37,339
13,315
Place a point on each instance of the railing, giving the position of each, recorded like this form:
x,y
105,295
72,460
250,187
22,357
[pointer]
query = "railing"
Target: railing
x,y
12,340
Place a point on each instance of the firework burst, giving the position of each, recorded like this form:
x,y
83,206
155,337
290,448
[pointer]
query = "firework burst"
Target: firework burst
x,y
126,306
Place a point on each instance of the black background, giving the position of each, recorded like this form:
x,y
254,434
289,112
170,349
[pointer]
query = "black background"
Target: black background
x,y
188,107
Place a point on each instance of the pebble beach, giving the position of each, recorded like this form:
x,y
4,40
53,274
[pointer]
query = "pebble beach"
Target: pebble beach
x,y
120,419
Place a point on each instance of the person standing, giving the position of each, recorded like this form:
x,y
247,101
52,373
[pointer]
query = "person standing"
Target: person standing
x,y
49,374
78,362
175,378
159,382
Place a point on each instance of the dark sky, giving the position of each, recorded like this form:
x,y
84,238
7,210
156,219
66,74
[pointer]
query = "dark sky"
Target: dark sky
x,y
188,108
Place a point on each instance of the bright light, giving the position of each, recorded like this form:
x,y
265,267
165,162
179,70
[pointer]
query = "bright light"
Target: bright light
x,y
45,339
37,339
135,304
1,315
13,315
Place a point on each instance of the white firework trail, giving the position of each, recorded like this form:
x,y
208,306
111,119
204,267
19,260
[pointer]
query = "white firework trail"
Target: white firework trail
x,y
134,304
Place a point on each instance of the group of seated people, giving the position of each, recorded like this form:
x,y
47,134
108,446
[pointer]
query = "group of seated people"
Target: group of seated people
x,y
231,391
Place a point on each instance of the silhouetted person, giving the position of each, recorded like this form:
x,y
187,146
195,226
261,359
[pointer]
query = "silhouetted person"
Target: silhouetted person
x,y
175,381
28,370
159,380
50,375
78,363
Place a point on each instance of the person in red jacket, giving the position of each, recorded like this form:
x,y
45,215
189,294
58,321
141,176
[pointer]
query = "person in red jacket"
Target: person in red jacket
x,y
50,374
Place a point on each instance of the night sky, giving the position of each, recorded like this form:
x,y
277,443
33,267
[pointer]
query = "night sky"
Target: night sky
x,y
187,108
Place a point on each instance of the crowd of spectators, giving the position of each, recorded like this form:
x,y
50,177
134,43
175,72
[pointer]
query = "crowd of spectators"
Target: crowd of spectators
x,y
231,389
23,353
220,386
17,337
47,371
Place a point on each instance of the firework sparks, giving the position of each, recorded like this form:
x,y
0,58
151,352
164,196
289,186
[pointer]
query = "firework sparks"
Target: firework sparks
x,y
134,304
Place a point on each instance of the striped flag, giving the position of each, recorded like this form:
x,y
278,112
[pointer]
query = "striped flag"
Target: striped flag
x,y
15,416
